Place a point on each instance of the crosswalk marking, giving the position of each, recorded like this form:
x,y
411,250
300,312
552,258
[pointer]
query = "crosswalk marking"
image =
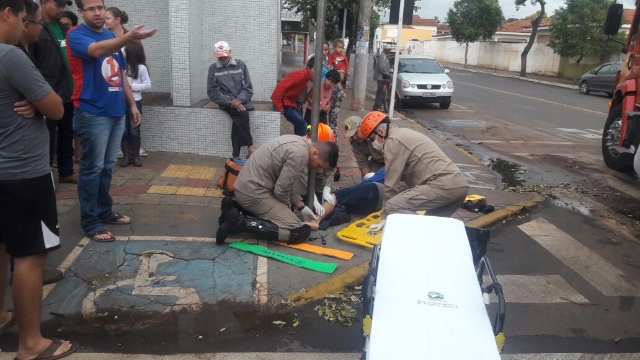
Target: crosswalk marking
x,y
570,356
585,133
537,289
337,356
605,277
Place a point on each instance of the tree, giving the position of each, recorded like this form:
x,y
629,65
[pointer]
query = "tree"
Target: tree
x,y
535,15
474,20
577,30
534,31
334,16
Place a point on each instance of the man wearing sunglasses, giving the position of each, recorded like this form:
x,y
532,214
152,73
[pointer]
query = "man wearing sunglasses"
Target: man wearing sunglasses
x,y
99,94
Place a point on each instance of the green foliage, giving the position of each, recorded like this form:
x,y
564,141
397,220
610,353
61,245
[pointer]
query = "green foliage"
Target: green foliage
x,y
334,13
535,16
474,20
577,30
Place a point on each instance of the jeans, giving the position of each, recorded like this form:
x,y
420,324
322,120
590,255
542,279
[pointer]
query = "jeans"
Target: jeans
x,y
361,199
64,148
100,138
132,133
293,116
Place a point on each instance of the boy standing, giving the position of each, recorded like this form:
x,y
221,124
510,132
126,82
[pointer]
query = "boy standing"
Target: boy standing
x,y
286,93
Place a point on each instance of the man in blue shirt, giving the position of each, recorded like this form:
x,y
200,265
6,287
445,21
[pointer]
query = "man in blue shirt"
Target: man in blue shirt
x,y
100,90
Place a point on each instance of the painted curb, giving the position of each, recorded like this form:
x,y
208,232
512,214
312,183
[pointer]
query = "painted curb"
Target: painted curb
x,y
506,212
355,275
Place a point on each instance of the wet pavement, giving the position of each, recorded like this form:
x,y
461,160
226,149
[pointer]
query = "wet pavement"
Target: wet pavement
x,y
164,287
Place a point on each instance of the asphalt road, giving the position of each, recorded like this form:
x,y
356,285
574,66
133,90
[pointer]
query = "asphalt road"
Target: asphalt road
x,y
564,296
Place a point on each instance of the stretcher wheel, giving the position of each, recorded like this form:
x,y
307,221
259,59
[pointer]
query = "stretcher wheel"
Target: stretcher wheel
x,y
368,292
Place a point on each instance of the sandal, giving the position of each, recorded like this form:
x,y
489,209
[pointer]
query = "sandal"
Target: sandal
x,y
119,220
48,353
95,235
9,323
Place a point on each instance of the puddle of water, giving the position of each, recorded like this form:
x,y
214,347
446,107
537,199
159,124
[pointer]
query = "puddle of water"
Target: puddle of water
x,y
511,173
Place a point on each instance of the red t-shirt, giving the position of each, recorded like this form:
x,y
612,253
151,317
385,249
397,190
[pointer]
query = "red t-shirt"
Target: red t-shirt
x,y
339,61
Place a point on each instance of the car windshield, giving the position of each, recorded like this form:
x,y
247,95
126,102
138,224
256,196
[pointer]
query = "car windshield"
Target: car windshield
x,y
419,66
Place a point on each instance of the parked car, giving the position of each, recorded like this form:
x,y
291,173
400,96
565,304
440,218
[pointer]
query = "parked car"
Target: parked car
x,y
601,78
422,79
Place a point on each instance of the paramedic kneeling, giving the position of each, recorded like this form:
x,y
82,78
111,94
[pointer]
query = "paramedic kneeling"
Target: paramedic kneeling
x,y
434,182
265,189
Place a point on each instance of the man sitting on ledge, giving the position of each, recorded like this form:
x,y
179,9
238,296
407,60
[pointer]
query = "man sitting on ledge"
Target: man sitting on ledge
x,y
265,189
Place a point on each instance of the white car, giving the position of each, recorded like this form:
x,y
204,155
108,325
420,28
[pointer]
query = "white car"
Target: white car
x,y
422,79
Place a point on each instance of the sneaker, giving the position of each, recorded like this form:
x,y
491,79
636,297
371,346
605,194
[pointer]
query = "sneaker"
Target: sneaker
x,y
143,153
120,154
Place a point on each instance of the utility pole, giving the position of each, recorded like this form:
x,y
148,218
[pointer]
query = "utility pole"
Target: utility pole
x,y
392,101
344,23
317,81
362,56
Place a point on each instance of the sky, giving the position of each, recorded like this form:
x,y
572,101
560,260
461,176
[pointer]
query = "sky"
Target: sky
x,y
439,8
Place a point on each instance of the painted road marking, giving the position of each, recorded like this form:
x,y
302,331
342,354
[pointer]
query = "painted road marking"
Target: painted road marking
x,y
536,289
262,296
605,277
570,356
522,142
475,176
462,123
127,274
586,133
339,356
144,285
537,99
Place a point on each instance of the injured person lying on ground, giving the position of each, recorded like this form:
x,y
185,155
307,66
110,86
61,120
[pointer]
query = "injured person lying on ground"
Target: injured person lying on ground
x,y
265,190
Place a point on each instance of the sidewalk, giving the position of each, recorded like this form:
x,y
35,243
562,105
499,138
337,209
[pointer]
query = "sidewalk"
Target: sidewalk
x,y
167,260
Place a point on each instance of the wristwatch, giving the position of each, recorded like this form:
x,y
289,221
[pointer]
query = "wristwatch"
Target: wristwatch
x,y
300,207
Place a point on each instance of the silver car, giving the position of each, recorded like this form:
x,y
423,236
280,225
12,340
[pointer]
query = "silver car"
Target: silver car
x,y
422,79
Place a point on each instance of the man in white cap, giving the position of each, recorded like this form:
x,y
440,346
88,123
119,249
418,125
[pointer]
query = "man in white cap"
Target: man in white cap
x,y
229,86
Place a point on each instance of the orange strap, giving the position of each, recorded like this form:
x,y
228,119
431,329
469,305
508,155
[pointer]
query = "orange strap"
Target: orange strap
x,y
321,250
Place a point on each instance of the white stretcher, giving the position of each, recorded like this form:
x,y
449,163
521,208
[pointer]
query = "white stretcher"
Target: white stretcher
x,y
423,293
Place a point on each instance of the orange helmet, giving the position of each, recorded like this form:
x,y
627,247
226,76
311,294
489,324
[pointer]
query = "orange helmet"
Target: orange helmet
x,y
371,121
325,133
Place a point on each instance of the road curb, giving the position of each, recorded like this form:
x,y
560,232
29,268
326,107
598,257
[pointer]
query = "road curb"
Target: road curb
x,y
332,285
566,86
355,275
506,212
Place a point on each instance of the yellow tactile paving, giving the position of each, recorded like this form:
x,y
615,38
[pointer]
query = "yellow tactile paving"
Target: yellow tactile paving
x,y
191,191
159,189
214,193
187,171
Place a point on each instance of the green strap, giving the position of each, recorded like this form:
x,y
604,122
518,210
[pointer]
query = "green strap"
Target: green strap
x,y
325,267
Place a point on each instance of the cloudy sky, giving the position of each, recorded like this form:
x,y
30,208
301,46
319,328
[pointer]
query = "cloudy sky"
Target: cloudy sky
x,y
439,8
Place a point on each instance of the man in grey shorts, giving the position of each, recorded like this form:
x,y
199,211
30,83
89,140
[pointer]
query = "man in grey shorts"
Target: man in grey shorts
x,y
265,189
28,217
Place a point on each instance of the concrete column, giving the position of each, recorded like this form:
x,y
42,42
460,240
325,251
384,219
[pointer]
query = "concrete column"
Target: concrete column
x,y
180,59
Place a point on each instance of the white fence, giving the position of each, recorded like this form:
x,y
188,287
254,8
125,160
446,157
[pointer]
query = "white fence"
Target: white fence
x,y
493,55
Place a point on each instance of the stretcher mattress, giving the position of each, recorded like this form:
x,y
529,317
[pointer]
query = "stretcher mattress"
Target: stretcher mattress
x,y
428,303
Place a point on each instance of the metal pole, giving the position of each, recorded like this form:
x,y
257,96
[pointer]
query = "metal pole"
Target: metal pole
x,y
362,57
317,81
396,62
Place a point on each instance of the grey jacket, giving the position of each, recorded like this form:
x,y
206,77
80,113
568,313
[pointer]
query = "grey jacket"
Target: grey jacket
x,y
228,82
382,70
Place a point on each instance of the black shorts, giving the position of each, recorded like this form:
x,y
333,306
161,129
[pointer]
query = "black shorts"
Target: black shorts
x,y
28,216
